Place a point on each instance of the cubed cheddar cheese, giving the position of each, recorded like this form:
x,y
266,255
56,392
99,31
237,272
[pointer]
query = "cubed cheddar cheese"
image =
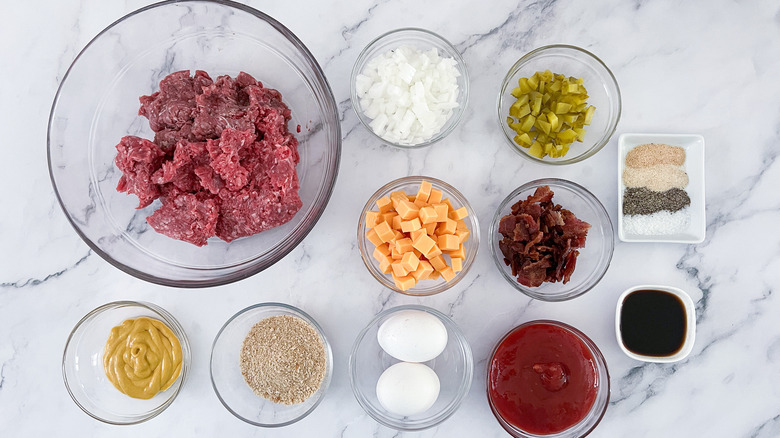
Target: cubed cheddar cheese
x,y
385,266
399,269
414,235
417,253
420,203
428,215
434,275
398,235
459,213
457,264
459,253
394,254
404,245
372,218
384,204
448,242
413,225
423,271
441,212
407,210
433,252
460,224
404,283
379,255
447,273
463,235
424,191
446,227
435,196
397,222
373,237
423,244
448,202
388,217
383,249
430,229
410,261
438,263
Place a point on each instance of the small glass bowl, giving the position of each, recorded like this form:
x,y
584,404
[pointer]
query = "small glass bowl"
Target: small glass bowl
x,y
85,377
423,40
454,366
602,88
596,413
229,384
593,260
410,185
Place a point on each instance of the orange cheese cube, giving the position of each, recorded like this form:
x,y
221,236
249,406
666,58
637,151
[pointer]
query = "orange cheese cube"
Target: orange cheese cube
x,y
430,229
404,282
388,217
384,204
417,253
399,235
446,227
404,245
435,196
463,235
438,263
420,203
433,252
424,269
447,273
398,269
434,275
412,225
379,255
397,222
457,264
394,254
398,194
373,237
428,215
411,198
410,262
414,235
460,224
424,191
459,213
448,202
423,244
459,253
383,249
384,231
385,266
372,218
407,210
448,242
441,212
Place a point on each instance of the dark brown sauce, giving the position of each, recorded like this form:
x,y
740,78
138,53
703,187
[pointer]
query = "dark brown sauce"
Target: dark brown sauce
x,y
653,323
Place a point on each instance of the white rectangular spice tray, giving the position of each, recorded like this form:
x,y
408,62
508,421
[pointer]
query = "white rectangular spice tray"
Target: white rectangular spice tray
x,y
693,144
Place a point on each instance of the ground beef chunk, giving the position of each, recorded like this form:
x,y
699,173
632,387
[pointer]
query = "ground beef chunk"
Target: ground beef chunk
x,y
540,239
223,160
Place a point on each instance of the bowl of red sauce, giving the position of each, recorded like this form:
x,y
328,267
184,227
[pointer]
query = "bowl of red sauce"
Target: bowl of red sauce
x,y
546,378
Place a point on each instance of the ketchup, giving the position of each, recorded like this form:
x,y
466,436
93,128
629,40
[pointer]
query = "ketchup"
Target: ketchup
x,y
542,379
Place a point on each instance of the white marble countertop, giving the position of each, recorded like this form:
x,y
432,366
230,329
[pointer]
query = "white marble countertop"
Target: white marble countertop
x,y
683,67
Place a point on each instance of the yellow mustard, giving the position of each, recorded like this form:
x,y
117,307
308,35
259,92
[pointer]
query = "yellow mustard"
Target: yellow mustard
x,y
142,357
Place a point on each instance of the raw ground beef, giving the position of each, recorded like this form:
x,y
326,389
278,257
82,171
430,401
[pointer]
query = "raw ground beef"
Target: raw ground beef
x,y
540,239
222,161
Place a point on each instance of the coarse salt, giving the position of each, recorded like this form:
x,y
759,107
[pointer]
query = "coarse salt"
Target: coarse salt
x,y
659,223
408,93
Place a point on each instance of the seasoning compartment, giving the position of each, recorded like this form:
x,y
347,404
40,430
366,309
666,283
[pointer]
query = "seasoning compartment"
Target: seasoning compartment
x,y
655,323
694,230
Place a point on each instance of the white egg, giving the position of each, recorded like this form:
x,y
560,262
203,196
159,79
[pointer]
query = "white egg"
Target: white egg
x,y
412,336
408,388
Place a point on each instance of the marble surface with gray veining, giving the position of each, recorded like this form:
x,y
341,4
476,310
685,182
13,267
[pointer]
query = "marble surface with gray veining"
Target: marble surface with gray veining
x,y
708,68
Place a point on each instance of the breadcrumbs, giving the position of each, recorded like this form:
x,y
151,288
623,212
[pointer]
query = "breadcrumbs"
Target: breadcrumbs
x,y
283,359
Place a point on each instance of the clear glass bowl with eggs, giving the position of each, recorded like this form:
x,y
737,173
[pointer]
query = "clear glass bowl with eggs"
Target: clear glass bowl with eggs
x,y
404,394
424,41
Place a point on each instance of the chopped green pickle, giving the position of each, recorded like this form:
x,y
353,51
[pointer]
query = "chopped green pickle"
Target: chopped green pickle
x,y
549,114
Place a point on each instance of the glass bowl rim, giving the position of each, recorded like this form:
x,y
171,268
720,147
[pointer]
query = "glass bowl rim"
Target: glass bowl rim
x,y
583,193
616,102
271,306
474,235
166,318
256,263
464,348
463,95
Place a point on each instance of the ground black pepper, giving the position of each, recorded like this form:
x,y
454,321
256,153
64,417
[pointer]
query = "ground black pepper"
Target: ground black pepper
x,y
643,201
